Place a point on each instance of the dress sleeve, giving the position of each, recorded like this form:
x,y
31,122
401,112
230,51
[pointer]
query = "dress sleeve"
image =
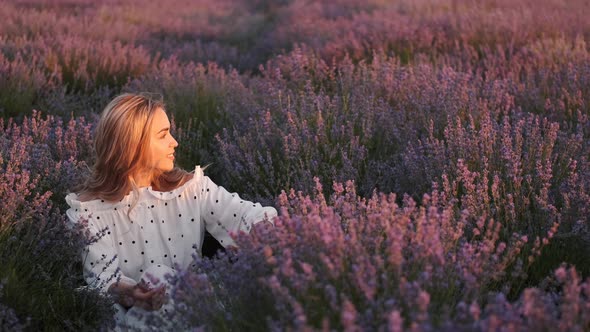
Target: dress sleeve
x,y
99,258
226,213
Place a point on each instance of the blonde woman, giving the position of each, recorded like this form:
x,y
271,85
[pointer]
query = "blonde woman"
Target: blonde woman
x,y
148,216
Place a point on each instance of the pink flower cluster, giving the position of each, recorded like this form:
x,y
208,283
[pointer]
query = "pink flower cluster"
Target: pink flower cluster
x,y
350,263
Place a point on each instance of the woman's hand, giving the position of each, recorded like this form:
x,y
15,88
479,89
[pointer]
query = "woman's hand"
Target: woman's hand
x,y
140,295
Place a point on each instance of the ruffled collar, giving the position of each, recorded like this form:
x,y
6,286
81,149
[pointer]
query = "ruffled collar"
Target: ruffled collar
x,y
128,200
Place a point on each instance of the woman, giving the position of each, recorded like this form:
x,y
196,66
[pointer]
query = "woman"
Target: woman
x,y
148,217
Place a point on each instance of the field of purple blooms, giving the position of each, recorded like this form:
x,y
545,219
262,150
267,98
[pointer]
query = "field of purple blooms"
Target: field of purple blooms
x,y
430,159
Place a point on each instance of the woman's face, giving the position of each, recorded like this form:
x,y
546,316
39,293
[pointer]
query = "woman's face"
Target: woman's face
x,y
162,144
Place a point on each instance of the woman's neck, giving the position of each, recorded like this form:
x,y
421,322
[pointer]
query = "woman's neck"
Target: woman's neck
x,y
143,179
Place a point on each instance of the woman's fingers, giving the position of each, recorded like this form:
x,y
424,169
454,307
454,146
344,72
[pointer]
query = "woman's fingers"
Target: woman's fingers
x,y
143,285
145,293
159,298
151,299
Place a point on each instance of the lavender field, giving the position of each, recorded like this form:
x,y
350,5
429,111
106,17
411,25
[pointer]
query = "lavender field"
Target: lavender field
x,y
429,159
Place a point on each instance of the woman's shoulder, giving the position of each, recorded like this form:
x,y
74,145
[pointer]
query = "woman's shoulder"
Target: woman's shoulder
x,y
190,185
79,204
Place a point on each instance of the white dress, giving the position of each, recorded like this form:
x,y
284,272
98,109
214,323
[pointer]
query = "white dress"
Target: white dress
x,y
162,229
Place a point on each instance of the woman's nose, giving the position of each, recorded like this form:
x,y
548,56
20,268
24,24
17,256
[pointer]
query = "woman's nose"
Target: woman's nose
x,y
174,143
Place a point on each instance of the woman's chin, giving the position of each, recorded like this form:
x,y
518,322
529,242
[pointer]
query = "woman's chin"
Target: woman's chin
x,y
166,167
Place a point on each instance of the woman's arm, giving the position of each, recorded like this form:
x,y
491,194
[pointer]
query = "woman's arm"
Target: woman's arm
x,y
100,270
99,258
225,213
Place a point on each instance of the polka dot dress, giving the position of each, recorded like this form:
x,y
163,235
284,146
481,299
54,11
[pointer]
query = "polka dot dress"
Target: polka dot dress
x,y
160,228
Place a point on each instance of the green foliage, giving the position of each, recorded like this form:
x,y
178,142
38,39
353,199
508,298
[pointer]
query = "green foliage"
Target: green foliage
x,y
41,278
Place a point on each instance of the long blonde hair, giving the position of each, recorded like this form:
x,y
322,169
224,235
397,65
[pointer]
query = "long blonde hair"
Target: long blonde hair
x,y
121,143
